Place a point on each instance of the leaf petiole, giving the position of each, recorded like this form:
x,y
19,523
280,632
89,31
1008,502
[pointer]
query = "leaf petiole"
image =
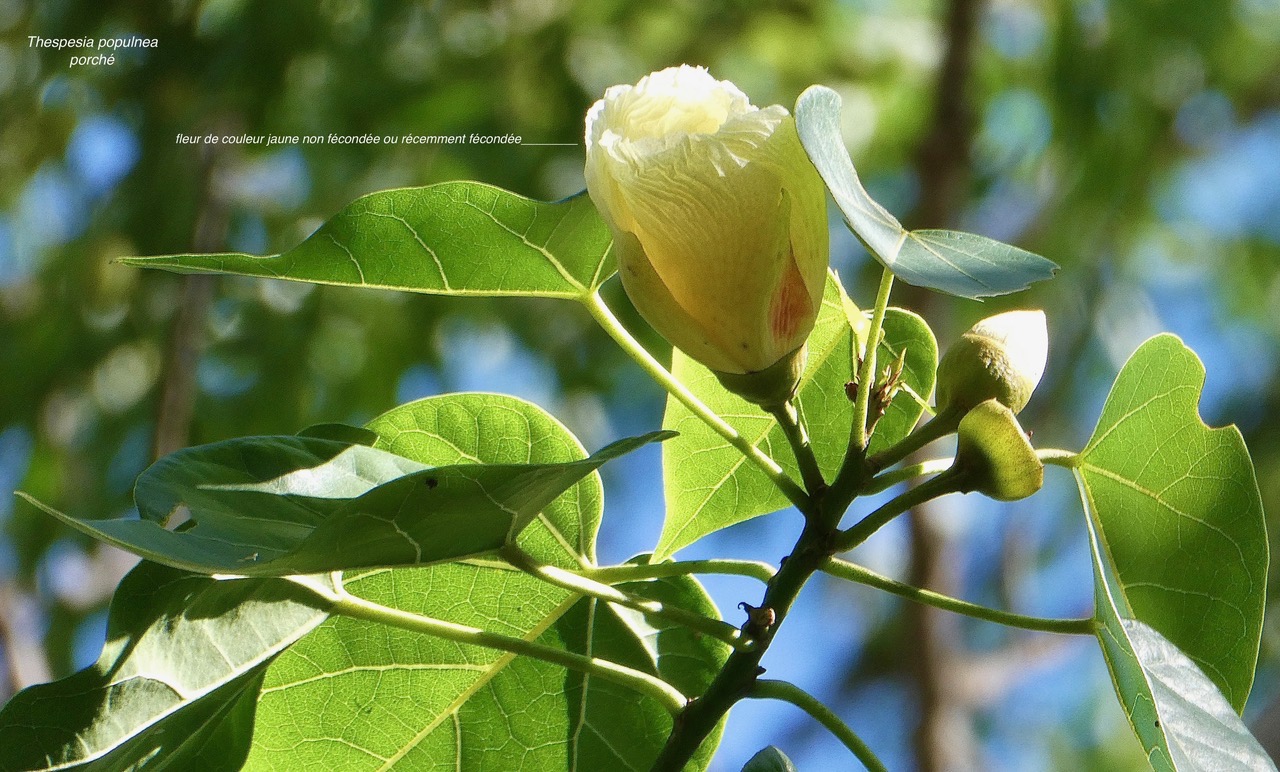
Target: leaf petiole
x,y
611,325
843,569
753,569
770,689
942,424
867,374
853,470
939,485
586,586
887,480
1057,457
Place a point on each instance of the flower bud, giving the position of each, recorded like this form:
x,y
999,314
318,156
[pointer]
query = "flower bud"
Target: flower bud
x,y
1001,357
995,456
719,222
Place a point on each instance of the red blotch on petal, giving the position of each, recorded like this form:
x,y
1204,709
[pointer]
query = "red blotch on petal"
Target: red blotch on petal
x,y
791,307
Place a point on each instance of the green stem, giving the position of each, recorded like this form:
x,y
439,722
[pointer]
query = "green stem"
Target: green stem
x,y
867,375
939,426
928,490
854,472
843,569
586,586
1058,457
770,689
887,480
633,572
346,604
605,318
798,438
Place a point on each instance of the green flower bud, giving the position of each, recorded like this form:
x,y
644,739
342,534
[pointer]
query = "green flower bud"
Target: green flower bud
x,y
1001,357
994,455
719,222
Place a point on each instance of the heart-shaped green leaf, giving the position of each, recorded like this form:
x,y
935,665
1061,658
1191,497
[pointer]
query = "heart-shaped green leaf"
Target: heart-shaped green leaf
x,y
453,238
1180,559
1179,516
177,682
392,697
961,264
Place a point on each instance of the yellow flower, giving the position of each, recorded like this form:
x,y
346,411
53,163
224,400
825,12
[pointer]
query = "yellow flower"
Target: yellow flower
x,y
718,218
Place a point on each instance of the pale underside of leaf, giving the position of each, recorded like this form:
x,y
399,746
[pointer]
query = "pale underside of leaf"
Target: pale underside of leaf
x,y
1178,714
176,681
961,264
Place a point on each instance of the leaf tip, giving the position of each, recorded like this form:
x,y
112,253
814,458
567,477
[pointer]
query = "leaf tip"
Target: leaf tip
x,y
818,91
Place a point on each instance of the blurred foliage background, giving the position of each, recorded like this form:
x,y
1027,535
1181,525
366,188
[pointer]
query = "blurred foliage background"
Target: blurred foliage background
x,y
1136,143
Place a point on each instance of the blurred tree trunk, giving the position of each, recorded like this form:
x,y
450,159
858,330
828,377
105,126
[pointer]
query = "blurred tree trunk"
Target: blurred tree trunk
x,y
943,739
187,339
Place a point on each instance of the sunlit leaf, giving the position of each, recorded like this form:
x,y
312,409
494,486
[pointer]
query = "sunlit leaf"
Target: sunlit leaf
x,y
176,684
394,697
452,238
1179,516
1180,558
1179,715
274,506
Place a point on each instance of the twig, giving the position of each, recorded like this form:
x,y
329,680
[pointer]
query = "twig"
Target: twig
x,y
585,586
788,692
855,573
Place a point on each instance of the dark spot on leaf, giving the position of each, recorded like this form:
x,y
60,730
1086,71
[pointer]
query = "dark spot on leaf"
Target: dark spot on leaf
x,y
432,482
